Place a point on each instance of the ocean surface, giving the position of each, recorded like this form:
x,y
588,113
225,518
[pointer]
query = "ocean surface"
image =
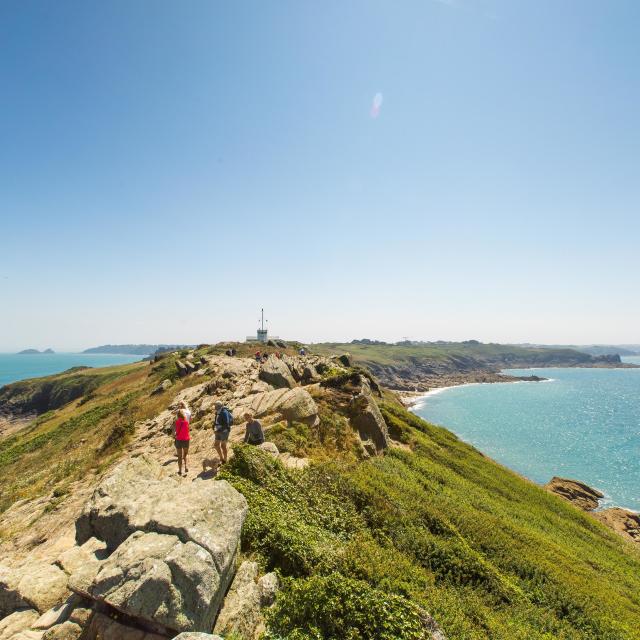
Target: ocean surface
x,y
582,424
19,367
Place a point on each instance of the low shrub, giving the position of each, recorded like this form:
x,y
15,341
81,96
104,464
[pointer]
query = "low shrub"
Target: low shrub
x,y
335,607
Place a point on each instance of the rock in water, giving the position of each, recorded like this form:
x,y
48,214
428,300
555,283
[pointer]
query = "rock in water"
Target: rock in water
x,y
174,545
578,493
276,373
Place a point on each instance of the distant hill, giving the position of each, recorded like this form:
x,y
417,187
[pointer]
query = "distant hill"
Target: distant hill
x,y
134,349
33,351
420,366
594,349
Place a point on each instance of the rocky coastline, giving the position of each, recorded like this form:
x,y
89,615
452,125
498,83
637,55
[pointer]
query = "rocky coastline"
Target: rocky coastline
x,y
624,522
413,390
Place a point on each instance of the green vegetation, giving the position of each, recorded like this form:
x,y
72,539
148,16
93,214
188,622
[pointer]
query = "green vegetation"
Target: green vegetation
x,y
450,352
433,526
38,395
336,607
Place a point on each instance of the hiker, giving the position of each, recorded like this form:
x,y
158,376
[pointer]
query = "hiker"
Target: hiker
x,y
183,405
253,433
222,427
302,351
258,356
265,357
228,353
182,437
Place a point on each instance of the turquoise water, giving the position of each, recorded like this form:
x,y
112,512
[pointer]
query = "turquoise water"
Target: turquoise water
x,y
582,424
18,367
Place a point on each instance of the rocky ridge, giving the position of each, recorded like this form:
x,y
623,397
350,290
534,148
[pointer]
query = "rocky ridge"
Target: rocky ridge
x,y
145,554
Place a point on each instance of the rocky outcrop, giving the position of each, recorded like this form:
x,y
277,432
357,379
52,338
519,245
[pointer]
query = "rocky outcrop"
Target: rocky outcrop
x,y
578,493
276,373
289,404
16,622
345,360
37,585
66,631
269,586
56,615
160,580
103,627
241,612
173,546
165,385
367,420
182,368
626,523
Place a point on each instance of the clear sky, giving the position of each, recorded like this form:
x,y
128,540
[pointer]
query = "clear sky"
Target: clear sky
x,y
437,169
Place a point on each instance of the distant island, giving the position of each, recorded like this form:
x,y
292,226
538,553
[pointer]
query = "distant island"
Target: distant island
x,y
33,351
134,349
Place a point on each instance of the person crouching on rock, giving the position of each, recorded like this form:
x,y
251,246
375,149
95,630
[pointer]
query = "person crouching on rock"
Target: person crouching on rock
x,y
222,428
253,433
182,440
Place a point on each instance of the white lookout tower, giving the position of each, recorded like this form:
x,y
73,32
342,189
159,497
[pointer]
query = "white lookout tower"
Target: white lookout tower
x,y
262,332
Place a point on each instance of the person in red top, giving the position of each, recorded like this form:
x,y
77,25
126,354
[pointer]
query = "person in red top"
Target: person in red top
x,y
182,440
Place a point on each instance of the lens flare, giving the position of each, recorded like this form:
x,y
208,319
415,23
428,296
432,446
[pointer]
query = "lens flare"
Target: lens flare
x,y
376,105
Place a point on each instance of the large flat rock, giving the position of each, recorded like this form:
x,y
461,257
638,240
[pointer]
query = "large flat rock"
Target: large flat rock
x,y
136,497
157,578
38,585
173,546
16,622
292,404
276,373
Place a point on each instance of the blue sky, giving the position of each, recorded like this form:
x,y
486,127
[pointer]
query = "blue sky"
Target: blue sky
x,y
168,168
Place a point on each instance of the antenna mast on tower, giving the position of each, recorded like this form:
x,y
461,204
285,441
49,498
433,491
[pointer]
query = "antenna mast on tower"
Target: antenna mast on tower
x,y
262,332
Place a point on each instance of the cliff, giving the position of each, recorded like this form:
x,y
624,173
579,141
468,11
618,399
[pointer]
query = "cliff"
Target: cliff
x,y
374,523
422,366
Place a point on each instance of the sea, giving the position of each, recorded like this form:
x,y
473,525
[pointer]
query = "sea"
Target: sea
x,y
582,424
15,367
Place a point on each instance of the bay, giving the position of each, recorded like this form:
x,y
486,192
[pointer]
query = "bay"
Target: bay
x,y
581,423
14,367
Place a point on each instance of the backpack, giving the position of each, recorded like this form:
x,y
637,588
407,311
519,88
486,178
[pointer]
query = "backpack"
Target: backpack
x,y
225,419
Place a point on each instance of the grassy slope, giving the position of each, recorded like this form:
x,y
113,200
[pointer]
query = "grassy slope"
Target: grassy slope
x,y
397,354
438,525
85,435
